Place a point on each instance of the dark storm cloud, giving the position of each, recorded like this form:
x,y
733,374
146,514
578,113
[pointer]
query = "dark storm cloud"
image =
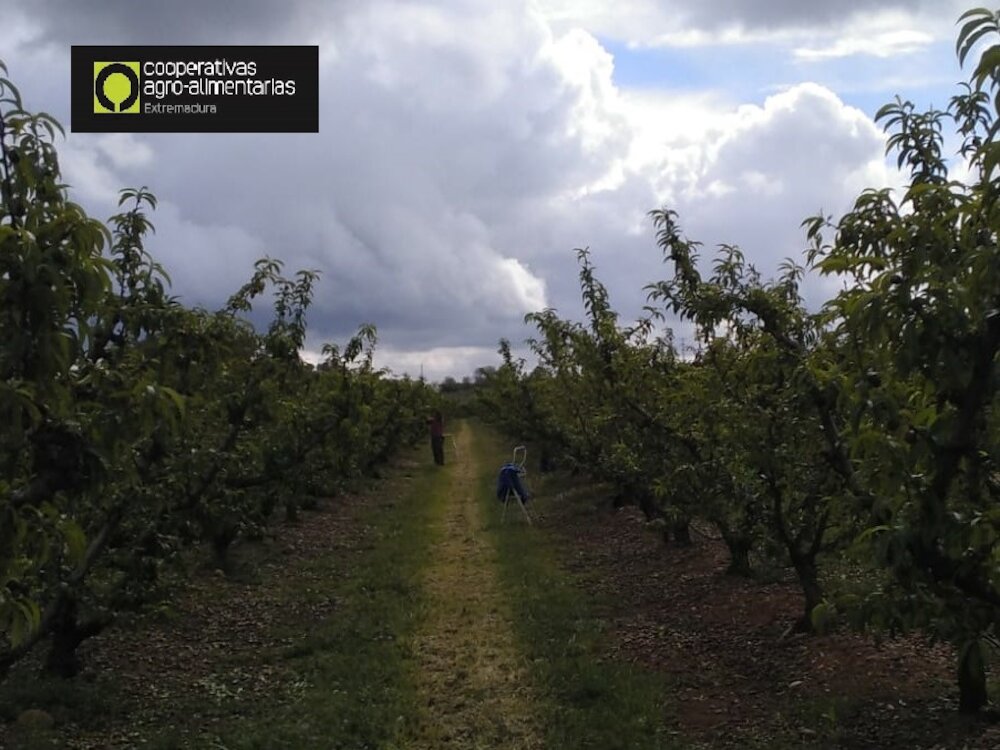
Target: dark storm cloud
x,y
711,22
463,155
172,22
782,14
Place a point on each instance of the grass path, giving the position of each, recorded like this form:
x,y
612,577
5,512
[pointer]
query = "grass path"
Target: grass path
x,y
471,681
405,617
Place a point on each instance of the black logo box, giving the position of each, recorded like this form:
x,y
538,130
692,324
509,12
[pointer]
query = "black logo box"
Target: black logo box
x,y
295,113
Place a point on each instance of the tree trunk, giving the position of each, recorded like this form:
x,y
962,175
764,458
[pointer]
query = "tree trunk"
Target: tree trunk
x,y
647,504
221,542
309,502
812,592
545,462
739,543
682,532
67,635
804,561
971,678
739,555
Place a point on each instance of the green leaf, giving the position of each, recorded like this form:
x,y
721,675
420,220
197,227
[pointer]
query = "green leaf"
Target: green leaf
x,y
822,616
965,47
74,539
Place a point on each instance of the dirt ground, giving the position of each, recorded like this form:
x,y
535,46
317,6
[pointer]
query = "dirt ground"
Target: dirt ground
x,y
198,665
738,683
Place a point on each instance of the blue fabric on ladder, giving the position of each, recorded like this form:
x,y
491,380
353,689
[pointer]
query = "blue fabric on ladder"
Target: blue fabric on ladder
x,y
510,479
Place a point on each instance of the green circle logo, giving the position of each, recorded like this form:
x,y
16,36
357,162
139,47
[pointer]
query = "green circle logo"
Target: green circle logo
x,y
116,88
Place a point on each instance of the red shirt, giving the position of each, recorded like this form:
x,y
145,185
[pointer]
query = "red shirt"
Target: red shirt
x,y
437,426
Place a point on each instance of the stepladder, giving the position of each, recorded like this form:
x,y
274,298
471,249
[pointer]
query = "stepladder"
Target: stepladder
x,y
510,484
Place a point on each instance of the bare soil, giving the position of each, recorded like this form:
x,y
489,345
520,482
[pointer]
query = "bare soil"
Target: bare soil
x,y
739,682
198,664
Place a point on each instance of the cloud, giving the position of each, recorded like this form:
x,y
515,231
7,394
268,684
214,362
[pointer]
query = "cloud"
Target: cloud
x,y
433,141
527,290
877,44
125,151
206,262
436,363
466,149
802,153
714,22
177,22
86,168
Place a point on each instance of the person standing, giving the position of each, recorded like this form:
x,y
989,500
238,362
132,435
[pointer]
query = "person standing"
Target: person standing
x,y
437,437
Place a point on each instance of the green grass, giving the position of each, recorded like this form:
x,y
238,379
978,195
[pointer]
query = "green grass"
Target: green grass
x,y
350,679
589,702
88,703
353,686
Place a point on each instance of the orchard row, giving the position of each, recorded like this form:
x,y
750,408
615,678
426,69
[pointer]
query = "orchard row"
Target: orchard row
x,y
861,439
134,429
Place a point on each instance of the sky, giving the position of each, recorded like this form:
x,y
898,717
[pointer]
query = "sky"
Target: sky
x,y
467,147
